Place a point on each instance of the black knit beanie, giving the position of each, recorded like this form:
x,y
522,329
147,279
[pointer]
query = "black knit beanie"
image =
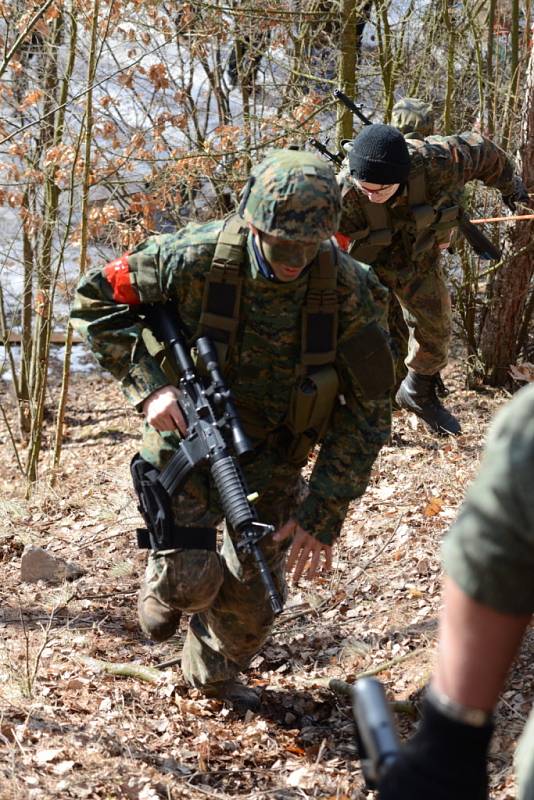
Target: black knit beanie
x,y
379,154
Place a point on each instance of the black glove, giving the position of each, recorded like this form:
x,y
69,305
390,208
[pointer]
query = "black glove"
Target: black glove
x,y
445,760
518,194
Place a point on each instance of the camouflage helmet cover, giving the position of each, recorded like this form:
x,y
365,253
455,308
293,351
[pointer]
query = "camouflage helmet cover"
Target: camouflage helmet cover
x,y
293,195
412,115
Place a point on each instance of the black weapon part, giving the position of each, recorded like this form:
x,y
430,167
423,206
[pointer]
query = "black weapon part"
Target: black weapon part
x,y
352,106
480,243
334,157
378,742
208,354
214,433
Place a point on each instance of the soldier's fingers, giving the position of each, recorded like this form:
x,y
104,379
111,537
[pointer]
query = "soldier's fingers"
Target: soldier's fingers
x,y
314,563
287,530
301,563
178,419
294,553
161,422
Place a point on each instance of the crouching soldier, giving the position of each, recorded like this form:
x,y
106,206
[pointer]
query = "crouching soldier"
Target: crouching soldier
x,y
299,327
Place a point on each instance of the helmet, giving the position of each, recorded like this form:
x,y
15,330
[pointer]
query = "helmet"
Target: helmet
x,y
293,195
412,115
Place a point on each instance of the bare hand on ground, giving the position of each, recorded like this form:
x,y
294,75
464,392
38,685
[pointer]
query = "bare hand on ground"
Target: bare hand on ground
x,y
305,550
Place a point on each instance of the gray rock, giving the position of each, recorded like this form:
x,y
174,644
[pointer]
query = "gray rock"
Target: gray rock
x,y
39,565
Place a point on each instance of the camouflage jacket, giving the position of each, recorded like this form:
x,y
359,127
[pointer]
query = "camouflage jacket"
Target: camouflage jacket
x,y
449,163
173,267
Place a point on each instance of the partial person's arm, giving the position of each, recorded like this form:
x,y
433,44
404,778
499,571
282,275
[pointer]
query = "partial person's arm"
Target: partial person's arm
x,y
453,161
447,757
476,648
488,602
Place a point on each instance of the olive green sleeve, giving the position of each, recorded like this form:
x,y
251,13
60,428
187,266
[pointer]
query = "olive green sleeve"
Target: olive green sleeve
x,y
489,551
106,313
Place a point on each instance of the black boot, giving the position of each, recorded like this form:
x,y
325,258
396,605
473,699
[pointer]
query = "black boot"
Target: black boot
x,y
417,393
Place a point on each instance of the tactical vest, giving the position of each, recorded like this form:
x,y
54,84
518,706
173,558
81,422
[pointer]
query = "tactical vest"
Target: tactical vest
x,y
316,380
426,226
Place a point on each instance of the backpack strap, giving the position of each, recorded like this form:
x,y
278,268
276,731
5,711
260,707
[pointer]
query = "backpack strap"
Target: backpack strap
x,y
430,224
219,314
320,313
220,309
376,236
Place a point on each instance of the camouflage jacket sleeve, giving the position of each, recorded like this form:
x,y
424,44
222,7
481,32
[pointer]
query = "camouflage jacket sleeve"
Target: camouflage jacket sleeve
x,y
357,429
489,551
453,161
106,309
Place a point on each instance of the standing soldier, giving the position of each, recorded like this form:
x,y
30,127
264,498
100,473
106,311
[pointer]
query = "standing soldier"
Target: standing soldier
x,y
299,328
401,202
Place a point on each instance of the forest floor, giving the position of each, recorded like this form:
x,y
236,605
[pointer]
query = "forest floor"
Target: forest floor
x,y
68,730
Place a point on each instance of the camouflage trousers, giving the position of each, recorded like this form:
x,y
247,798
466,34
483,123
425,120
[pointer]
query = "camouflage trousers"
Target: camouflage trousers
x,y
524,762
420,314
231,615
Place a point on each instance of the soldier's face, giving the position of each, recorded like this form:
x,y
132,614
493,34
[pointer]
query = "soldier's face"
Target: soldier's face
x,y
287,258
376,192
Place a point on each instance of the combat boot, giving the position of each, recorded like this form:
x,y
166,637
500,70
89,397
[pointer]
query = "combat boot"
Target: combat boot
x,y
417,393
242,698
158,620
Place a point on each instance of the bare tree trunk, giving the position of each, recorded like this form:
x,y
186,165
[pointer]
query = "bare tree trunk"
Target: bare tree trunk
x,y
502,323
451,51
44,310
347,66
88,135
490,72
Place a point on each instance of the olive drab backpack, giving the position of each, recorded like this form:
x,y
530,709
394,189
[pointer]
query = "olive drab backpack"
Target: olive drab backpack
x,y
316,379
425,227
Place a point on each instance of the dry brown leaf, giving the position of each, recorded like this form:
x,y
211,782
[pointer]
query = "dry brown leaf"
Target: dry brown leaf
x,y
522,372
433,507
293,748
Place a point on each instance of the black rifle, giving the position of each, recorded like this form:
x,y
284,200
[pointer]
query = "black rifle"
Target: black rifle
x,y
378,743
352,106
213,432
334,157
483,247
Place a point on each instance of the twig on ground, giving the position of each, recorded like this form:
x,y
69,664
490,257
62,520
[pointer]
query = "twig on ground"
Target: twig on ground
x,y
123,670
100,596
166,664
403,707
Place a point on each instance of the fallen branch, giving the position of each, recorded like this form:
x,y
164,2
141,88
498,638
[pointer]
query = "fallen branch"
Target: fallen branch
x,y
400,706
123,670
342,687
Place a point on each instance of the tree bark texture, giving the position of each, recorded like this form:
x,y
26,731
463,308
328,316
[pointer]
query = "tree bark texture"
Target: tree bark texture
x,y
510,288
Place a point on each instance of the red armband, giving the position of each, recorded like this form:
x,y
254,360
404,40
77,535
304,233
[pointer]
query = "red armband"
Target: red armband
x,y
343,241
117,274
